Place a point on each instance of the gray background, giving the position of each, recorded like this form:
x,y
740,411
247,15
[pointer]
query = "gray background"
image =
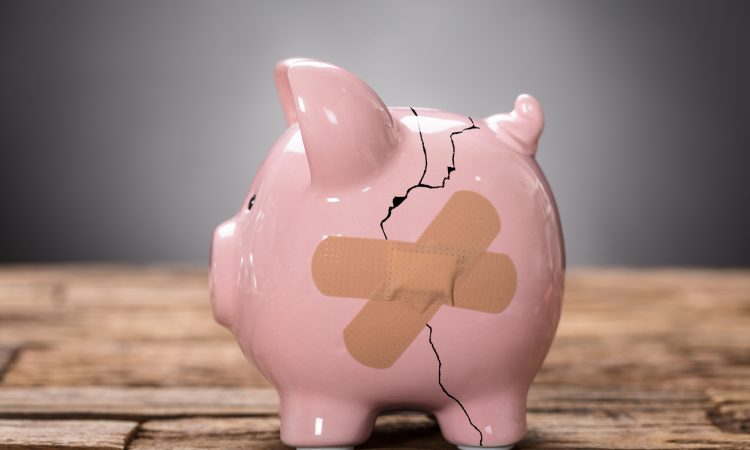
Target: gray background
x,y
128,130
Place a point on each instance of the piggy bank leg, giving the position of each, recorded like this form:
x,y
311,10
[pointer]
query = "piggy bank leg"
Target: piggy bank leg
x,y
324,423
497,421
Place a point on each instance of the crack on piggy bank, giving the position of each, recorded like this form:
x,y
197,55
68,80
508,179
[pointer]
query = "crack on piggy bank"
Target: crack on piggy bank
x,y
398,200
440,382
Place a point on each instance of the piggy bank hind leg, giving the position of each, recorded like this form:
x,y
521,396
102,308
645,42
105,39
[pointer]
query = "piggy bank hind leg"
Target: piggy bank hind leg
x,y
493,421
324,423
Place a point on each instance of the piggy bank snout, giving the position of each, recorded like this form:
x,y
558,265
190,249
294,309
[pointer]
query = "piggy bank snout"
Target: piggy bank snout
x,y
223,274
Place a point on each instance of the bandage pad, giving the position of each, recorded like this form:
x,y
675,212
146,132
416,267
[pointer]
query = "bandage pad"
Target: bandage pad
x,y
406,283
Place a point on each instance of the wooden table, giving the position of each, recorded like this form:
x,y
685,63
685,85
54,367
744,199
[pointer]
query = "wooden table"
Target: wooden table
x,y
121,356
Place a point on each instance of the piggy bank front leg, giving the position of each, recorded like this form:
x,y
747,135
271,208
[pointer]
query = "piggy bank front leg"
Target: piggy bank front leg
x,y
498,420
309,421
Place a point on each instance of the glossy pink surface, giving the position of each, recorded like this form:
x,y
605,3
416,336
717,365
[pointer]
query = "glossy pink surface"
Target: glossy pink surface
x,y
336,171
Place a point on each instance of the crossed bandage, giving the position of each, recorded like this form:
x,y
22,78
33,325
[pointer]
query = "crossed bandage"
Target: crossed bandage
x,y
406,283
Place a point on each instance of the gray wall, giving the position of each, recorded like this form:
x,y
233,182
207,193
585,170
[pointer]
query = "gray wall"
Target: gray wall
x,y
129,129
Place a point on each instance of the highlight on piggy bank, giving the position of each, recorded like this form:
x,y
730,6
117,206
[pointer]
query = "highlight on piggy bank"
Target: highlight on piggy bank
x,y
393,259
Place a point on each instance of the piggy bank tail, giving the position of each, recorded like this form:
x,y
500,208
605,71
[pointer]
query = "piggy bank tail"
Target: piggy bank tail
x,y
521,127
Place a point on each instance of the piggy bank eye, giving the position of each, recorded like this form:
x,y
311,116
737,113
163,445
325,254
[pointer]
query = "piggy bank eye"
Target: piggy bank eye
x,y
251,203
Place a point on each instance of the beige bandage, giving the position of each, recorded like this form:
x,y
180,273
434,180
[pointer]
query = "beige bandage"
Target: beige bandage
x,y
407,282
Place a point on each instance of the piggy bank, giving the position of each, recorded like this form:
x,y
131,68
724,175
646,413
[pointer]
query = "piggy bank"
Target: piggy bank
x,y
392,259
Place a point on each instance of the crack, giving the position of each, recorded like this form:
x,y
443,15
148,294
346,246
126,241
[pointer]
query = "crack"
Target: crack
x,y
440,382
398,200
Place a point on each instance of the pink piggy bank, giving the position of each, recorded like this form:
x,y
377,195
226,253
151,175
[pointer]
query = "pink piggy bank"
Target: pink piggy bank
x,y
392,259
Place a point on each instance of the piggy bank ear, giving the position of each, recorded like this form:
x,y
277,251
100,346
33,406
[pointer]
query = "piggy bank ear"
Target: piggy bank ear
x,y
523,125
347,131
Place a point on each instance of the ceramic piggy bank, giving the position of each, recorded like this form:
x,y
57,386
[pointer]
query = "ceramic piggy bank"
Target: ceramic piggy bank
x,y
393,259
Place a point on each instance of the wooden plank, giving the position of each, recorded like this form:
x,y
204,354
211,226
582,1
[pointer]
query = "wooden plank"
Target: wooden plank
x,y
67,327
65,434
98,328
656,303
57,303
669,360
623,418
686,328
39,316
133,363
134,403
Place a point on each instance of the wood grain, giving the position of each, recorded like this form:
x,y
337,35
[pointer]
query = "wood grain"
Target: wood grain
x,y
209,433
135,364
67,434
643,359
134,403
730,410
